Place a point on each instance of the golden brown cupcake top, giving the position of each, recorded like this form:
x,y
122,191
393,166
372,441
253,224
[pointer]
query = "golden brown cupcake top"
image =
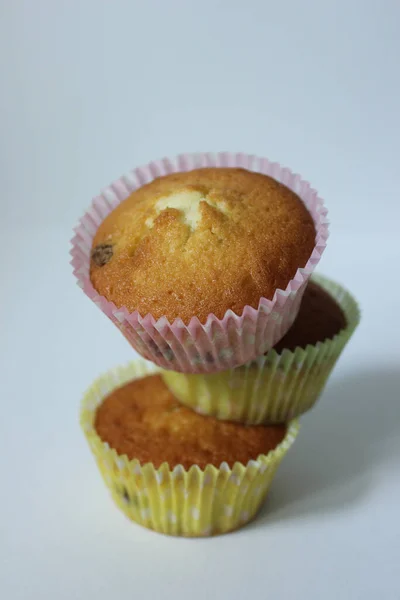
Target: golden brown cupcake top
x,y
320,318
200,242
143,420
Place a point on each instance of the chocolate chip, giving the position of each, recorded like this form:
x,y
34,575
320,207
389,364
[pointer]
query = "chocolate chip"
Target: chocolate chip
x,y
164,352
127,498
155,349
209,358
168,354
124,493
101,254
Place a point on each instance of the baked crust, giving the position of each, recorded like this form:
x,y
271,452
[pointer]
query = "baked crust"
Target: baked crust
x,y
200,242
143,420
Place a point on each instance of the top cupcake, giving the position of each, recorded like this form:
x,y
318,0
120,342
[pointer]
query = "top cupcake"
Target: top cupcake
x,y
201,242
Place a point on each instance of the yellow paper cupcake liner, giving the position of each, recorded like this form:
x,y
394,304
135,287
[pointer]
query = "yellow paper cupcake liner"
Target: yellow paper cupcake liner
x,y
274,388
176,501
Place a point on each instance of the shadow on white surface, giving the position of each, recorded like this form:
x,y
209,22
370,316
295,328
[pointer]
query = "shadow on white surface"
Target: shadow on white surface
x,y
342,445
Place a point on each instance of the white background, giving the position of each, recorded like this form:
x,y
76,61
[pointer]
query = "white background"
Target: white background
x,y
91,88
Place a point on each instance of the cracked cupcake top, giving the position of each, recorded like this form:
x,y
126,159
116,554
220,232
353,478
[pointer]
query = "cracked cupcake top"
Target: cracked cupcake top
x,y
200,242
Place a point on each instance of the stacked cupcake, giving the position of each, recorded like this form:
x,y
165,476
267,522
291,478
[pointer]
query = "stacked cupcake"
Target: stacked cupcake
x,y
204,264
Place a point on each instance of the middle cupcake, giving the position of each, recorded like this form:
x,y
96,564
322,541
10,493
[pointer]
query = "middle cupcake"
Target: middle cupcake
x,y
288,380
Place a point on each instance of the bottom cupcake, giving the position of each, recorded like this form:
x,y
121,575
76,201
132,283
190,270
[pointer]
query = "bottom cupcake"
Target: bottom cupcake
x,y
170,469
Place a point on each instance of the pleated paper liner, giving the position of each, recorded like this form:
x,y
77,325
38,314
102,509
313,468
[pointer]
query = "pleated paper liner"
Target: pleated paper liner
x,y
217,344
176,501
276,387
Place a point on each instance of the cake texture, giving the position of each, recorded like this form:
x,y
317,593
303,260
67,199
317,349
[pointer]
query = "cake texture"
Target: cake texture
x,y
289,379
201,242
144,421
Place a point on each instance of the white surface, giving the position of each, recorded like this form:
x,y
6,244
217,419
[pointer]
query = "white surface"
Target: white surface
x,y
91,88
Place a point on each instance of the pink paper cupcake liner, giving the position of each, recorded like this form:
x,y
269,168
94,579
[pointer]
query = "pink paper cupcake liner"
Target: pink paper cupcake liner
x,y
217,344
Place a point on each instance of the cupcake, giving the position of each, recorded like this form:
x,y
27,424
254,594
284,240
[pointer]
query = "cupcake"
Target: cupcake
x,y
201,242
288,380
169,468
201,268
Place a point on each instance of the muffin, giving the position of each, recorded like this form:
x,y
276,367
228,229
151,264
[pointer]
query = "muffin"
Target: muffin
x,y
201,242
289,379
202,269
169,468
